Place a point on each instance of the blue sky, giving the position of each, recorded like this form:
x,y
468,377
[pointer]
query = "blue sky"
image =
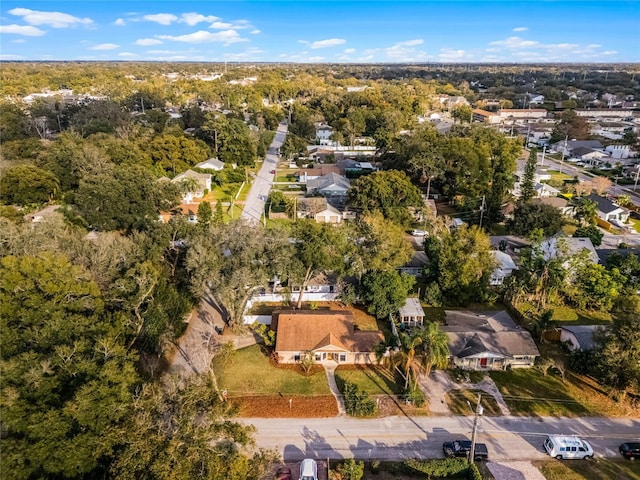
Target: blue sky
x,y
322,31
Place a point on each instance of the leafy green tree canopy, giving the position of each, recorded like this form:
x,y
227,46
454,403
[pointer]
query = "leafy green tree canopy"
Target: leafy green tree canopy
x,y
27,184
389,192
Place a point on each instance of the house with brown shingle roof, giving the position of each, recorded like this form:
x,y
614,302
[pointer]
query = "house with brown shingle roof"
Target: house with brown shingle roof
x,y
327,335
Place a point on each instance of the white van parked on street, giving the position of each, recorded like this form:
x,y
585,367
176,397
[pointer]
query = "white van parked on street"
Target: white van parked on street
x,y
567,447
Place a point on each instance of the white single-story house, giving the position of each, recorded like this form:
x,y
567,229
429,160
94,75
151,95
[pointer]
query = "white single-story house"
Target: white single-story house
x,y
545,190
609,211
488,340
505,267
578,337
329,215
204,183
328,336
411,313
211,164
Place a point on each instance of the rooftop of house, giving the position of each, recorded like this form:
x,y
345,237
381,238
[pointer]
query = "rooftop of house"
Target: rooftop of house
x,y
556,202
411,308
309,330
603,204
328,180
471,333
583,333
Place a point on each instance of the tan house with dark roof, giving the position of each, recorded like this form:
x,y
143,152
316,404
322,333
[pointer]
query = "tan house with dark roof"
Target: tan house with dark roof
x,y
327,335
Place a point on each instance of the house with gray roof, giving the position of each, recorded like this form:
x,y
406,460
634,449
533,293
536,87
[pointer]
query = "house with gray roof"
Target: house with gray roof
x,y
578,337
488,340
570,145
609,211
329,185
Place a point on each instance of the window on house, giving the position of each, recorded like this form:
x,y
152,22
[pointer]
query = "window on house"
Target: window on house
x,y
318,357
343,357
296,357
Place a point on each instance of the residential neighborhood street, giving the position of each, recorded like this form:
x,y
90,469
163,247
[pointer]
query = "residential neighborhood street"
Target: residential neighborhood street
x,y
391,438
573,171
254,205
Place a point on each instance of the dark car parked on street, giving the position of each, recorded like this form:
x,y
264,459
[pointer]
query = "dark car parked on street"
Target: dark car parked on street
x,y
461,448
630,450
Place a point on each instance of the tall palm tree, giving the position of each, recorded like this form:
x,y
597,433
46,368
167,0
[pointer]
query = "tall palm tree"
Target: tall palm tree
x,y
420,351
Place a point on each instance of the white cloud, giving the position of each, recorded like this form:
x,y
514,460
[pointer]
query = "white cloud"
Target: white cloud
x,y
304,42
193,18
451,55
105,46
254,32
520,29
27,30
514,43
410,43
18,40
120,22
249,54
9,57
349,51
609,52
315,59
161,18
330,42
146,42
53,19
128,55
405,51
226,37
221,25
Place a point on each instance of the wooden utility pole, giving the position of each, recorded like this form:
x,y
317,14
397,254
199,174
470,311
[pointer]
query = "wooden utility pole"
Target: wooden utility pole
x,y
475,430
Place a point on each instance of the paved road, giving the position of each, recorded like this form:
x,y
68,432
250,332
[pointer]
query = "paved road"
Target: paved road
x,y
507,437
254,205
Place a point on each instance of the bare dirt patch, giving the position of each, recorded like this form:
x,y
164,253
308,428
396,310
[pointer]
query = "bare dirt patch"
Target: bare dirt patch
x,y
277,406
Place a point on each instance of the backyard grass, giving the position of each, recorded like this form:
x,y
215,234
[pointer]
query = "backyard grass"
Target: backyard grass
x,y
457,402
636,224
581,317
248,372
595,469
373,380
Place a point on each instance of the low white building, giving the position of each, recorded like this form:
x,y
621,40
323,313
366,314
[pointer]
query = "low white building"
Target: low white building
x,y
411,313
505,267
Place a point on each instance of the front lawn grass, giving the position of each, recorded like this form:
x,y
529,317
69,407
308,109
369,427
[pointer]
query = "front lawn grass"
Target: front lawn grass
x,y
459,400
373,380
597,468
247,371
527,391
